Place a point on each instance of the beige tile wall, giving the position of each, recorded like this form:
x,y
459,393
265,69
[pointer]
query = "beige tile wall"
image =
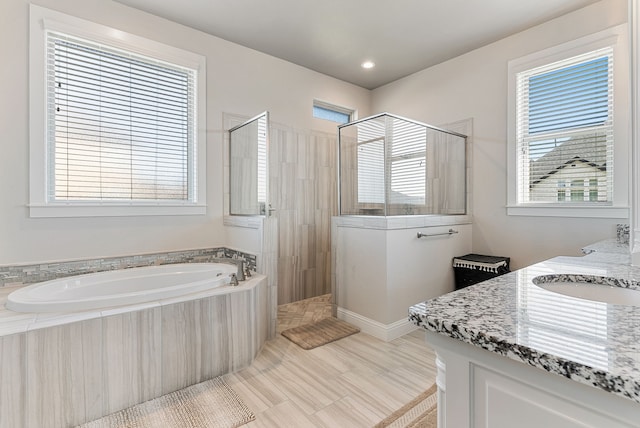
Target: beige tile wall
x,y
296,253
303,191
12,380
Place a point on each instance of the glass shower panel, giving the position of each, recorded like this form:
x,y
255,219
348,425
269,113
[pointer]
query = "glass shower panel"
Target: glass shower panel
x,y
248,145
395,166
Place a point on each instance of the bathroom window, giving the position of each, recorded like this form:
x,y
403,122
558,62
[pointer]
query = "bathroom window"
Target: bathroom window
x,y
333,113
562,129
565,127
120,132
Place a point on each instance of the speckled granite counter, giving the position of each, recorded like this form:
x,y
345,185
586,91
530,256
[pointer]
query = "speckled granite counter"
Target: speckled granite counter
x,y
593,343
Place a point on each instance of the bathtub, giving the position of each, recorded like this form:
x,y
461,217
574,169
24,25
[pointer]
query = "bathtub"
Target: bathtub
x,y
119,287
71,367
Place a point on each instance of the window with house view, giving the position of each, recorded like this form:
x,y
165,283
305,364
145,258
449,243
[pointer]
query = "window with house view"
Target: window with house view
x,y
565,131
121,126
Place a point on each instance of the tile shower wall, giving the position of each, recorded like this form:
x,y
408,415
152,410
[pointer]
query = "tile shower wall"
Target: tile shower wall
x,y
302,174
296,249
28,274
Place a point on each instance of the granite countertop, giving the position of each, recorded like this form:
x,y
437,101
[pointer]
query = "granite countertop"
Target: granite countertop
x,y
590,342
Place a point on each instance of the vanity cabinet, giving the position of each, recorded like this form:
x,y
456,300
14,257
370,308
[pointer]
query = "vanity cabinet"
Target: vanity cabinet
x,y
481,389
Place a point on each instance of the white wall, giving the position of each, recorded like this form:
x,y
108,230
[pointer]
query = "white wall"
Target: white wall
x,y
474,85
239,80
420,269
381,272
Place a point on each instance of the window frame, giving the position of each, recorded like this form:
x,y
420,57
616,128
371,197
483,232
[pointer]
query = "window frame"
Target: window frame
x,y
616,38
43,20
334,108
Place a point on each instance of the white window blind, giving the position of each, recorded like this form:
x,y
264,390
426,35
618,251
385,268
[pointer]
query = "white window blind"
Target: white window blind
x,y
408,145
565,130
262,161
121,127
370,155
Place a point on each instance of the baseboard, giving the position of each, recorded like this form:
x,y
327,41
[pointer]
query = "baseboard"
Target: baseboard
x,y
386,332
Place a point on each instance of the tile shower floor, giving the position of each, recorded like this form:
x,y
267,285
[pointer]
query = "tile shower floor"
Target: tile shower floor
x,y
354,382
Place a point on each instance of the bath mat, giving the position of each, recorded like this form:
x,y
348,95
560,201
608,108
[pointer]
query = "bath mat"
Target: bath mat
x,y
208,404
421,412
320,333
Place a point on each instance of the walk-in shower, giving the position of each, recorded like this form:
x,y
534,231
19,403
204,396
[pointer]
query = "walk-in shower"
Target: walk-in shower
x,y
391,165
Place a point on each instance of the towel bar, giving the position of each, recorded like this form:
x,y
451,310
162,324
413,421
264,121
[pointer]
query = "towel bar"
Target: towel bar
x,y
426,235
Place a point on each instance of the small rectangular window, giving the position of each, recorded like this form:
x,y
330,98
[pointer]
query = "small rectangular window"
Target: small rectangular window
x,y
330,112
562,191
593,189
577,190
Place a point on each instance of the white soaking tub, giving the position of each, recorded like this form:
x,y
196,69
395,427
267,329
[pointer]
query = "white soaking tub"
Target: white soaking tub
x,y
193,326
120,287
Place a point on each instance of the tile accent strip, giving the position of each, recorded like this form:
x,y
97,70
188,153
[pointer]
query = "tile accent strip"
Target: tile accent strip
x,y
31,273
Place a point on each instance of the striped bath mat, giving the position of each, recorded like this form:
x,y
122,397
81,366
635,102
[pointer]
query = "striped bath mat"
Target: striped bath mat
x,y
421,412
210,404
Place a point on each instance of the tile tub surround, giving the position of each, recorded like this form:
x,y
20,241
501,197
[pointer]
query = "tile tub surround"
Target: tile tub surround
x,y
592,343
11,275
67,369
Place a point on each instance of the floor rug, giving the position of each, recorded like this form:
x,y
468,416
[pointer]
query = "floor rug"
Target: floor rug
x,y
421,412
319,333
208,404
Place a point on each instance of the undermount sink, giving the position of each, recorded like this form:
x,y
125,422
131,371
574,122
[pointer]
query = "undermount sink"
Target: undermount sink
x,y
596,288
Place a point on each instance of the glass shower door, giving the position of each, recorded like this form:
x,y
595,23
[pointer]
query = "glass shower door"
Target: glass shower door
x,y
248,167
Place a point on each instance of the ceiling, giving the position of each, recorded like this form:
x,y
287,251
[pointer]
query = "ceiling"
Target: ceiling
x,y
335,36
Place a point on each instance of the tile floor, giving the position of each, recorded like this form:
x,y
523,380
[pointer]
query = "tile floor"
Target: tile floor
x,y
353,382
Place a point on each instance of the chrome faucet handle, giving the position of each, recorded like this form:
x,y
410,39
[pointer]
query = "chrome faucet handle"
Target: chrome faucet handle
x,y
247,272
234,279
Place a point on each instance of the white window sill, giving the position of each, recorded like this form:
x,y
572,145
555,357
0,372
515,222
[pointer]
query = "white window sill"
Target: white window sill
x,y
551,210
114,210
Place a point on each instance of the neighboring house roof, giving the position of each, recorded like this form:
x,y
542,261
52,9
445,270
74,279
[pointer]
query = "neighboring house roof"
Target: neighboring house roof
x,y
573,161
568,153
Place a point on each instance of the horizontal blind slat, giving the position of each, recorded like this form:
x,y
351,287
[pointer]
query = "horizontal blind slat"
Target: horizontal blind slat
x,y
565,130
122,125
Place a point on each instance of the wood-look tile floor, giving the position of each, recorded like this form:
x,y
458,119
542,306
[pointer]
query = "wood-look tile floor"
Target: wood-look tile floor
x,y
353,382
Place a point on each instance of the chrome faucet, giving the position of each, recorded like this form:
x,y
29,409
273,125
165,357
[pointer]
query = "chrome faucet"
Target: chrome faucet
x,y
234,280
239,276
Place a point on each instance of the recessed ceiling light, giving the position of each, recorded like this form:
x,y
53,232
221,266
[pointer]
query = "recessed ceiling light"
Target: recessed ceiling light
x,y
368,64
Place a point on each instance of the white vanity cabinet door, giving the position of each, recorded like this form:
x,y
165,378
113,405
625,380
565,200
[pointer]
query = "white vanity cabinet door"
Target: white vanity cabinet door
x,y
481,389
499,401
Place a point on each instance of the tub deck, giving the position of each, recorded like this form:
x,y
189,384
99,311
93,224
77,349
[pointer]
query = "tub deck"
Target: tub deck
x,y
16,322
